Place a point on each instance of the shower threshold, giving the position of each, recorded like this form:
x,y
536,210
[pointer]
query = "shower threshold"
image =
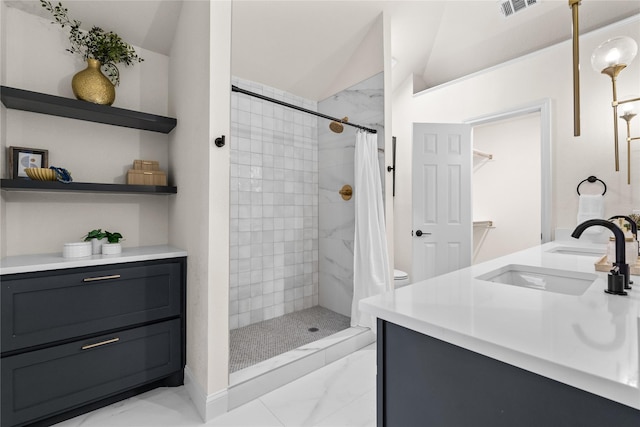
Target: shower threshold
x,y
253,381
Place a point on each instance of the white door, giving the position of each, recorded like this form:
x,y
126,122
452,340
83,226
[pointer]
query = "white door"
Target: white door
x,y
442,224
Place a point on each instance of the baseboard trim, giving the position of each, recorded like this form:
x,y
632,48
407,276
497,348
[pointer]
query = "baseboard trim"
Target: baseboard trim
x,y
208,406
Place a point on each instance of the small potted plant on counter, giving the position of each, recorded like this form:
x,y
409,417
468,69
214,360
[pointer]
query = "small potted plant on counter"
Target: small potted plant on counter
x,y
112,246
97,239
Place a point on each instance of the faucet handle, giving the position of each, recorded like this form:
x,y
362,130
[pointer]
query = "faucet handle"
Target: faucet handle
x,y
615,282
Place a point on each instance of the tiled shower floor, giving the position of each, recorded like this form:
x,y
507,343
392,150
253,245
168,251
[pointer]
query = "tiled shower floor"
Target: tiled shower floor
x,y
261,341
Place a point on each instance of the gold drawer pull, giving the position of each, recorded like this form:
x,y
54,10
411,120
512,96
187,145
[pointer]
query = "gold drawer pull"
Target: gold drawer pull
x,y
98,344
94,279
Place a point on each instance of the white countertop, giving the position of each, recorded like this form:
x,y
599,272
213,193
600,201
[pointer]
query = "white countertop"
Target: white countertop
x,y
590,341
55,261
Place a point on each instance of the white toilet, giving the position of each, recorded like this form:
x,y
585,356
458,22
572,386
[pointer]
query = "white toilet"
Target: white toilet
x,y
400,278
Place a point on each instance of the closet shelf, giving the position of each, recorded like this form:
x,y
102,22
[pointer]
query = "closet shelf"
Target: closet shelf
x,y
487,224
20,99
83,187
483,154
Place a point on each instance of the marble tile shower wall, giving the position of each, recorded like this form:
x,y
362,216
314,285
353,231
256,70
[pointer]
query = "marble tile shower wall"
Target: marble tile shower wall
x,y
363,104
274,206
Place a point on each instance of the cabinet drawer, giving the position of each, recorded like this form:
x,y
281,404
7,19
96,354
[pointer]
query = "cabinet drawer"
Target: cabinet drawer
x,y
42,383
41,308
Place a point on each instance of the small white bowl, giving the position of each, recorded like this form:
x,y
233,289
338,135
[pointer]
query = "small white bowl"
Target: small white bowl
x,y
76,249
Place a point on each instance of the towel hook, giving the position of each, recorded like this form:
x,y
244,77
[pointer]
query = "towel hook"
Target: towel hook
x,y
592,179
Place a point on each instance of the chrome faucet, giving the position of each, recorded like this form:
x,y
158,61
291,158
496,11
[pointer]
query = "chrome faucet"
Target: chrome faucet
x,y
620,266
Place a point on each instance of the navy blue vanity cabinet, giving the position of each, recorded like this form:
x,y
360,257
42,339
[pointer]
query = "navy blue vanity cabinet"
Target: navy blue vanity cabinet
x,y
77,339
423,381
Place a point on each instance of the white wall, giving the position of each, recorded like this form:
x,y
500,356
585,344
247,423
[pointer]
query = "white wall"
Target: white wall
x,y
366,61
507,188
199,91
218,198
389,199
34,58
544,74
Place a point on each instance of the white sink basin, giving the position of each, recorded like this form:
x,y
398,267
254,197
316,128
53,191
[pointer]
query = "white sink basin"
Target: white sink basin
x,y
543,279
573,250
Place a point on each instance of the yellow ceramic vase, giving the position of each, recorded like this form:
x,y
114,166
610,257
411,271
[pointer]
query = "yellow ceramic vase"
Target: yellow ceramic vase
x,y
92,86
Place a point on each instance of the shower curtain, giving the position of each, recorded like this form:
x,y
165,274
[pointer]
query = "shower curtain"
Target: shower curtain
x,y
371,274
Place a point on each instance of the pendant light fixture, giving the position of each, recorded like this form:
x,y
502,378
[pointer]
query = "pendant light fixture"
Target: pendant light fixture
x,y
610,58
628,111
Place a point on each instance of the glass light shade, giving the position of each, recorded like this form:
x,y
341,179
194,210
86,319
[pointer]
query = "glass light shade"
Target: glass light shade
x,y
615,51
628,107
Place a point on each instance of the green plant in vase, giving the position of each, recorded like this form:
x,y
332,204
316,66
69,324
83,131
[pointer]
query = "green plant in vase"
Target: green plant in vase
x,y
97,238
101,49
112,246
94,234
113,237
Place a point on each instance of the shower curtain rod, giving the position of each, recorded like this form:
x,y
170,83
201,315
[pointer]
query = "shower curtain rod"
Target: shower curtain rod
x,y
304,110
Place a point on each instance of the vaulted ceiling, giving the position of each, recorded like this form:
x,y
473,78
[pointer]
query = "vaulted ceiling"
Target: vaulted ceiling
x,y
303,46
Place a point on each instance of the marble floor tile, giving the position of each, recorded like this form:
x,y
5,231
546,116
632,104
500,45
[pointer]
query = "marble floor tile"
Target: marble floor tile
x,y
359,413
253,414
322,393
158,408
340,394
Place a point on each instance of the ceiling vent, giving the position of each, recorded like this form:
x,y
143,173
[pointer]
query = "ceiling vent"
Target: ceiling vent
x,y
510,7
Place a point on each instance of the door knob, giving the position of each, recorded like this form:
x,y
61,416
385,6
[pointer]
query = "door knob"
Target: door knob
x,y
420,233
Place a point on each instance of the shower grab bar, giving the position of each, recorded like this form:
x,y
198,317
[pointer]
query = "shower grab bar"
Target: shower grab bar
x,y
304,110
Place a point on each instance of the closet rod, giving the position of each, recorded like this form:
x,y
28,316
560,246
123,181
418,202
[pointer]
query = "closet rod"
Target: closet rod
x,y
295,107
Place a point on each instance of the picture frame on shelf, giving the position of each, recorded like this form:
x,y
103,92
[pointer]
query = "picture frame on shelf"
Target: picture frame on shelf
x,y
25,157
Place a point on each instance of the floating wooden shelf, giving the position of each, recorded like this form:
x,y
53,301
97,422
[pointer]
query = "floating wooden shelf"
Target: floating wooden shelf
x,y
83,187
36,102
